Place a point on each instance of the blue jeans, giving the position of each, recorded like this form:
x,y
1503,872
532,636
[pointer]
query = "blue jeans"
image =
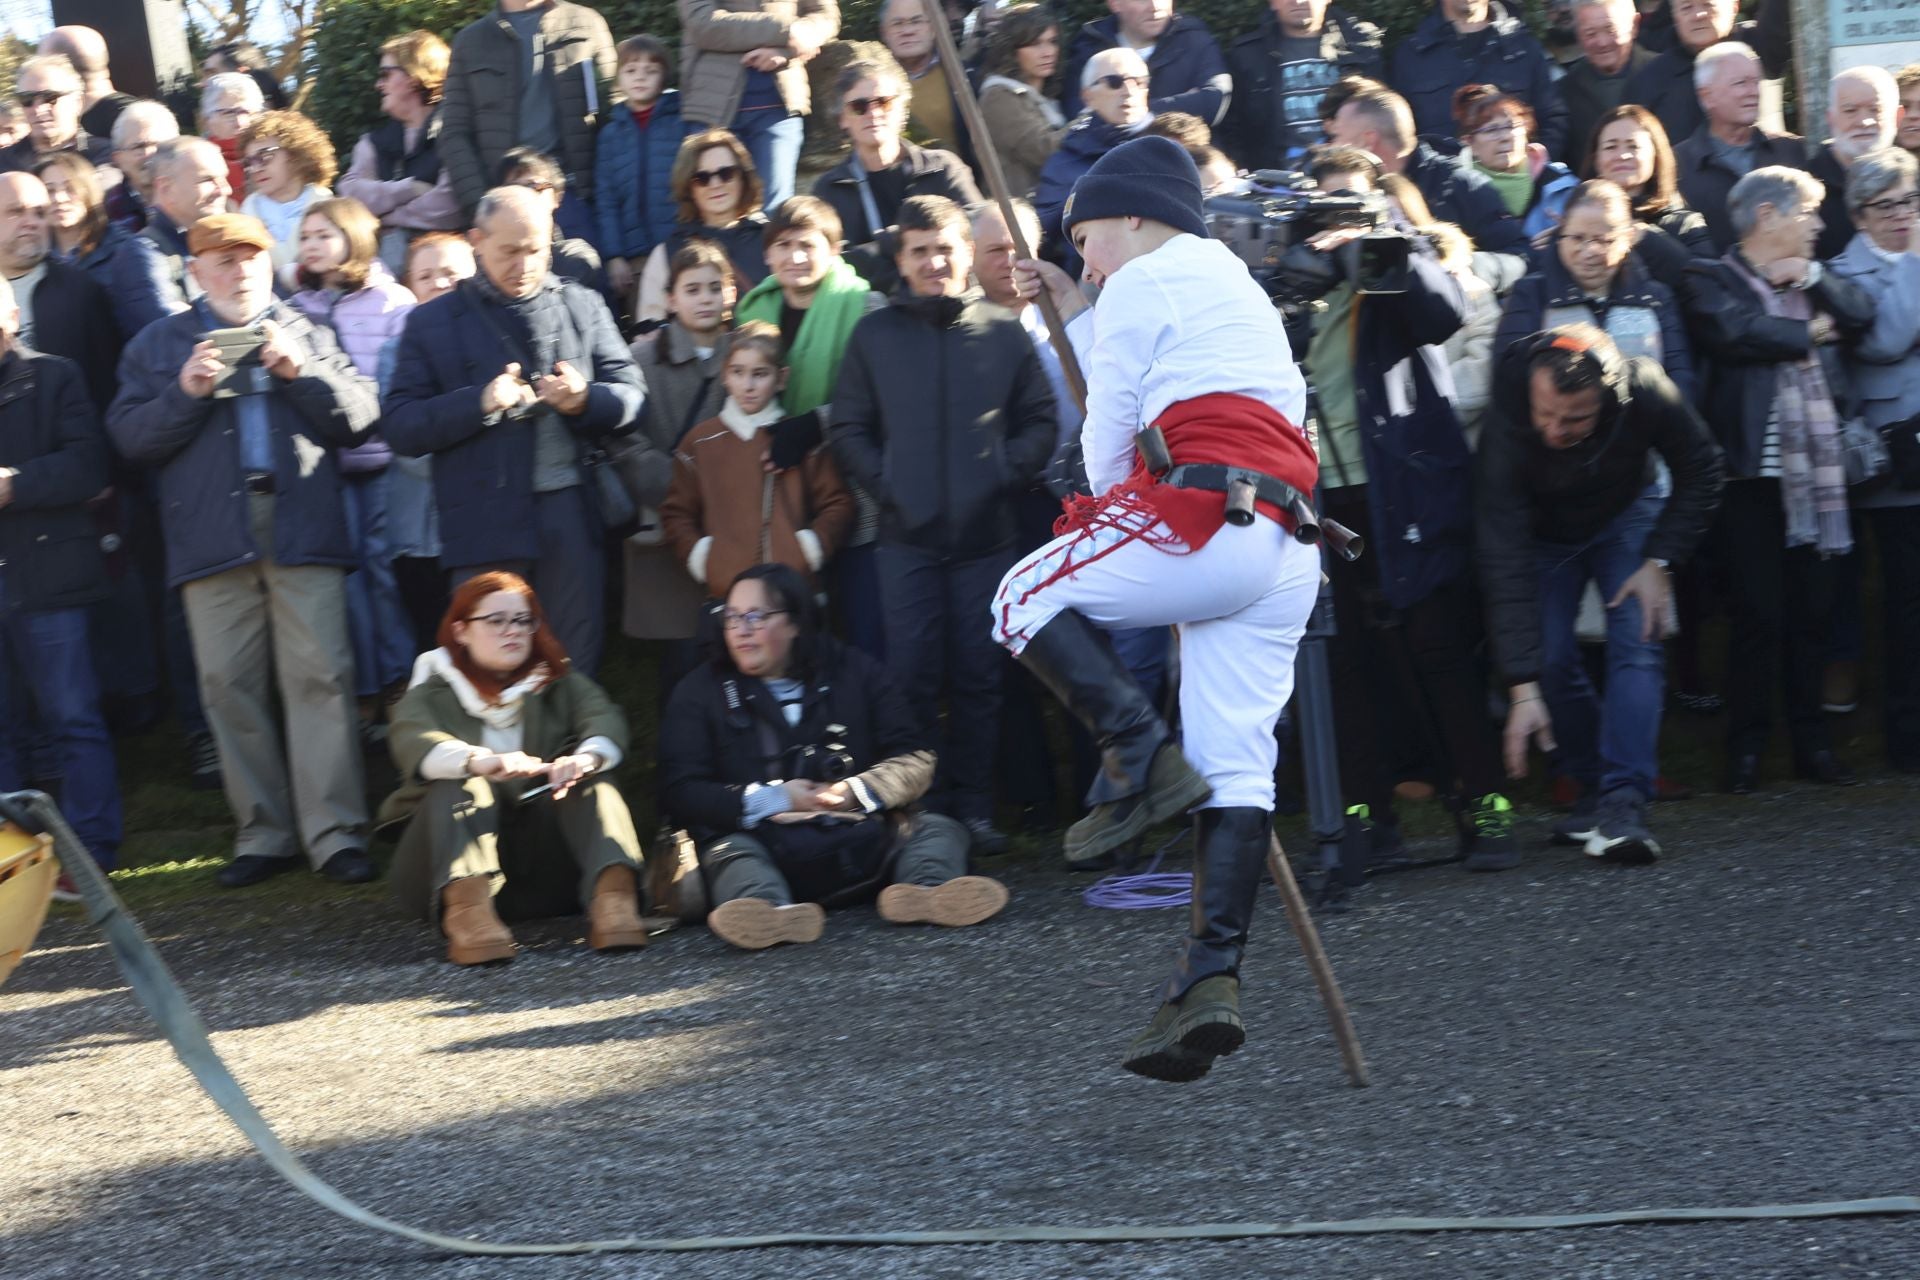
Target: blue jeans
x,y
773,139
1615,743
1144,650
376,620
51,653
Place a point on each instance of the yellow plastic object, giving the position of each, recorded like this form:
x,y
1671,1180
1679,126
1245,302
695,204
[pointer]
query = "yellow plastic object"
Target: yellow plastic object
x,y
28,870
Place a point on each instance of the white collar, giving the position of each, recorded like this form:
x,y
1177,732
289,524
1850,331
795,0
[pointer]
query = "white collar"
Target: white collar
x,y
746,426
503,714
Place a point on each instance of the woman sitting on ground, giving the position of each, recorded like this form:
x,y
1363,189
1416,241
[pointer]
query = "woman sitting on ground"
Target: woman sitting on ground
x,y
796,766
502,752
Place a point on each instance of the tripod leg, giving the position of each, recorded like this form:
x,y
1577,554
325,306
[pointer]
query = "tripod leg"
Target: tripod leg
x,y
1302,921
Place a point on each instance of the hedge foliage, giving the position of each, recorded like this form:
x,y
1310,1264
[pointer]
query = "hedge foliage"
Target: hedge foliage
x,y
345,51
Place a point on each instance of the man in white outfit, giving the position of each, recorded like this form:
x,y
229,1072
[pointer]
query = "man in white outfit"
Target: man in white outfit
x,y
1183,340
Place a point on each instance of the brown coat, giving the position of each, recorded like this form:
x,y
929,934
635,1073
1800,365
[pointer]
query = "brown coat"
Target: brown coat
x,y
1020,131
713,35
721,488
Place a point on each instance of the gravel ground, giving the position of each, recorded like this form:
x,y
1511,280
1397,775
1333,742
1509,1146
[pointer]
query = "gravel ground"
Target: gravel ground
x,y
1737,1025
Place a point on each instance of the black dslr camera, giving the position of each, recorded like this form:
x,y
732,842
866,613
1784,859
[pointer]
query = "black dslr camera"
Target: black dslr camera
x,y
1281,210
825,762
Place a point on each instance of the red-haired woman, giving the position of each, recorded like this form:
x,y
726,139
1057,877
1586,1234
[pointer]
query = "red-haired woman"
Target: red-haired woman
x,y
502,751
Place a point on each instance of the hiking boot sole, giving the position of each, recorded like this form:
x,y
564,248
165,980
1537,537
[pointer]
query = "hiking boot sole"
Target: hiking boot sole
x,y
1092,839
625,938
1213,1032
754,924
490,953
1173,1064
962,901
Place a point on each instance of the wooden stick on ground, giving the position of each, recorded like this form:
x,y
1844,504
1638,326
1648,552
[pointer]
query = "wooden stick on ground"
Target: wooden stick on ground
x,y
1322,971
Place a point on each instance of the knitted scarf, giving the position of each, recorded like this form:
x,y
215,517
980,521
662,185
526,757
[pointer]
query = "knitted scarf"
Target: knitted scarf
x,y
813,362
1813,472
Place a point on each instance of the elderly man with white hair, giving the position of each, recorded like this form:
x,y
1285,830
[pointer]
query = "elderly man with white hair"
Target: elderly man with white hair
x,y
1114,86
1731,144
1596,82
1863,114
139,130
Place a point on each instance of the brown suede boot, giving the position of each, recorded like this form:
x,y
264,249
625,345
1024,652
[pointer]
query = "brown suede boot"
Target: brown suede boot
x,y
613,917
474,933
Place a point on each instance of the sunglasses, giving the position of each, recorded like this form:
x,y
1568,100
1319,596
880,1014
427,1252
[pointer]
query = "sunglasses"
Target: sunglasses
x,y
707,177
861,106
258,159
1121,82
45,98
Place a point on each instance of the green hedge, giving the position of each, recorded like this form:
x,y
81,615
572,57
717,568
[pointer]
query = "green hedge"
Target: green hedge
x,y
345,51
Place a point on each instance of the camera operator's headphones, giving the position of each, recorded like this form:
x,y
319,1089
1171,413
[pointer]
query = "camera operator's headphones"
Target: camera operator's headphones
x,y
1615,385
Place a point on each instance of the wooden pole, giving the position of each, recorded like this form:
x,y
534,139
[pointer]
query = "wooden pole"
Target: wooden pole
x,y
1302,921
989,158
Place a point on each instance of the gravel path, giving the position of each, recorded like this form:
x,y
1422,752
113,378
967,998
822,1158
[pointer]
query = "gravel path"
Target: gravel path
x,y
1737,1025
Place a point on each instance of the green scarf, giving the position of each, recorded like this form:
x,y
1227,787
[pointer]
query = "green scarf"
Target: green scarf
x,y
1514,188
813,362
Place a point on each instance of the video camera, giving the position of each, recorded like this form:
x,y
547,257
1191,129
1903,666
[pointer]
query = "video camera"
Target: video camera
x,y
1280,209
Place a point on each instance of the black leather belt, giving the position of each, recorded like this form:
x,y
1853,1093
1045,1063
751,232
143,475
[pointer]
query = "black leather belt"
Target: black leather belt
x,y
1244,488
258,484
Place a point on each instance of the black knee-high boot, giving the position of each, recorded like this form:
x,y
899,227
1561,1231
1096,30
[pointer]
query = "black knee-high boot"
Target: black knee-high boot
x,y
1143,777
1199,1019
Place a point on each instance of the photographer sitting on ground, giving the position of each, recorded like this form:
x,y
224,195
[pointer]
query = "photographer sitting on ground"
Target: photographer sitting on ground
x,y
501,747
796,765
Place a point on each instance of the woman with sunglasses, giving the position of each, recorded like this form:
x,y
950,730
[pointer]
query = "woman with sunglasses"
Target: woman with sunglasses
x,y
797,769
1497,131
869,186
1020,93
82,235
396,169
718,192
289,162
503,753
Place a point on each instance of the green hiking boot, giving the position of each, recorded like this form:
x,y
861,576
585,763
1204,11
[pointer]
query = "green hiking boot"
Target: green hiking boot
x,y
1173,787
1492,846
1184,1038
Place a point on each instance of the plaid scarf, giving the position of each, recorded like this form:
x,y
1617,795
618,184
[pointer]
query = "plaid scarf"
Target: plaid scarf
x,y
1813,472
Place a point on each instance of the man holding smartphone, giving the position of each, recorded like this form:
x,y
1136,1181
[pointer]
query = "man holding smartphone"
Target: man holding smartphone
x,y
238,404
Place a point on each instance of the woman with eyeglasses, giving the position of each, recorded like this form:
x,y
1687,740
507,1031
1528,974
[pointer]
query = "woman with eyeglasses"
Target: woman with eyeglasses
x,y
83,236
1497,130
1591,276
396,170
1630,149
289,162
797,769
718,192
503,752
229,101
1020,93
883,169
1883,194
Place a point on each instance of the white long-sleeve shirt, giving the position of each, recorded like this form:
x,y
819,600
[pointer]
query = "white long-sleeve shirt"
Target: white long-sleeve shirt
x,y
1183,321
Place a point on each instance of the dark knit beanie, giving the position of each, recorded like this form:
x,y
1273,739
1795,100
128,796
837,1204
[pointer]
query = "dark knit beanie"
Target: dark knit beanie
x,y
1150,177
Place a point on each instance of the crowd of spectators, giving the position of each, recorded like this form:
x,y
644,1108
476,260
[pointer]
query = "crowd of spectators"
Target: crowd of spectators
x,y
326,459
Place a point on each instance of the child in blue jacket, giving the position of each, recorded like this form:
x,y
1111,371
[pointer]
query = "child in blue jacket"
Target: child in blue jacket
x,y
633,161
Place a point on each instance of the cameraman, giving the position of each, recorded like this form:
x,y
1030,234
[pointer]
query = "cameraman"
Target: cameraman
x,y
1394,461
796,767
508,472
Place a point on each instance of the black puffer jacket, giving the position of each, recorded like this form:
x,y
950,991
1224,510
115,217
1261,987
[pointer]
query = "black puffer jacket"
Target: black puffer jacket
x,y
1255,130
943,413
928,172
722,732
1529,494
51,437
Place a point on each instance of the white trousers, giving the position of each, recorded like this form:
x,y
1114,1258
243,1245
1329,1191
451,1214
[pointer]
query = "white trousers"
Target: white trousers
x,y
1240,603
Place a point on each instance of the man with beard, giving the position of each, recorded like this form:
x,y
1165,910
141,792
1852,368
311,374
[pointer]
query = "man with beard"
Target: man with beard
x,y
1864,113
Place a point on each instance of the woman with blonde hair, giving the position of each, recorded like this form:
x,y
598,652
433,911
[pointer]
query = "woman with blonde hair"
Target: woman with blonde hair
x,y
289,164
503,752
348,289
396,170
718,193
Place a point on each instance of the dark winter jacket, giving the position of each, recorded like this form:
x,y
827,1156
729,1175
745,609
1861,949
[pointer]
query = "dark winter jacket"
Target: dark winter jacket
x,y
1185,72
718,728
1254,132
1638,307
869,248
1462,196
193,445
1434,61
942,414
480,115
1087,139
21,156
745,243
1590,95
50,437
482,465
1530,496
73,319
1705,183
1837,229
1672,239
633,196
1737,345
136,290
1665,85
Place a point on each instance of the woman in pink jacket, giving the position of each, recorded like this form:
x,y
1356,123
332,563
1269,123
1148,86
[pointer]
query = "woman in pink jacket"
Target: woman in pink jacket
x,y
347,288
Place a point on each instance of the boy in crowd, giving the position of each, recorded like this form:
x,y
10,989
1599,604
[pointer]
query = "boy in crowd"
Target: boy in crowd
x,y
633,160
